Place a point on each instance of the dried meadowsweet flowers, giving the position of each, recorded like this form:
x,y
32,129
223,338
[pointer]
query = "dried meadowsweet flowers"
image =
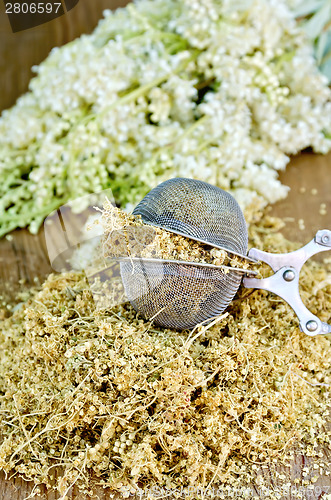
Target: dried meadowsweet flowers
x,y
127,236
214,90
112,399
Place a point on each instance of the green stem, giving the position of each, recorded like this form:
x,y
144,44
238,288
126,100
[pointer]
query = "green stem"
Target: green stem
x,y
185,134
193,127
15,192
18,152
177,47
155,35
326,57
203,146
140,91
288,56
133,36
44,212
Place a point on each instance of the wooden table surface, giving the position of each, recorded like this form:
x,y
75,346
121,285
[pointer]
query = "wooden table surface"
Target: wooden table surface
x,y
24,256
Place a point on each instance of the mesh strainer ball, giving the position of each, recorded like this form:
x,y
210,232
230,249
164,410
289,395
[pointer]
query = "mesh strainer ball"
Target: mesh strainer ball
x,y
182,295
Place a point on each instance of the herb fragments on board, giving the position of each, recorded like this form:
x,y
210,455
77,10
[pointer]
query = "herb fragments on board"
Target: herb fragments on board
x,y
113,400
219,91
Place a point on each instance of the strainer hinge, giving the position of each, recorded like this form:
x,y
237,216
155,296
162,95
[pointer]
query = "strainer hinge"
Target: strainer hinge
x,y
285,281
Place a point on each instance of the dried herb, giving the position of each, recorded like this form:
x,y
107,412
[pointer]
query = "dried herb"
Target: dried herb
x,y
107,397
127,236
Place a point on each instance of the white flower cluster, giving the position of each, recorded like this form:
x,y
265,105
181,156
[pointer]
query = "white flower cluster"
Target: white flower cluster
x,y
217,90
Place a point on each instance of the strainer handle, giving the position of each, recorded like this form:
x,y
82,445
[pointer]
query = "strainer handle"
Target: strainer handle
x,y
285,281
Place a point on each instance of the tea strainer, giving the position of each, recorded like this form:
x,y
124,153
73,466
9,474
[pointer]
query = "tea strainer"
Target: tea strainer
x,y
182,294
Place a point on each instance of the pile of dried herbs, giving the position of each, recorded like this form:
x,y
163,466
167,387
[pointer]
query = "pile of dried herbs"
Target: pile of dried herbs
x,y
107,397
127,236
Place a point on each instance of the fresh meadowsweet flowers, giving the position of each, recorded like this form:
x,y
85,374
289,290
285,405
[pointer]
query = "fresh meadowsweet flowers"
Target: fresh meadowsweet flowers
x,y
208,89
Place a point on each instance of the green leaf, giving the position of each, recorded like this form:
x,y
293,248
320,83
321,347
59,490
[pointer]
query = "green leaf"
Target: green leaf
x,y
314,26
326,68
306,8
327,48
321,46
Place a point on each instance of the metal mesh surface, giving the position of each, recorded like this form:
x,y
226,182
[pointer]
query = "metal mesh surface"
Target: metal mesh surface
x,y
196,209
176,295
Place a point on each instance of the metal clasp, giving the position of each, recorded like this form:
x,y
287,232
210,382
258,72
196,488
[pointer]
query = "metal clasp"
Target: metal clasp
x,y
285,280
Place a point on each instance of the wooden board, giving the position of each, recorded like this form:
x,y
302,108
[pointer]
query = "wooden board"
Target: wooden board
x,y
20,51
309,200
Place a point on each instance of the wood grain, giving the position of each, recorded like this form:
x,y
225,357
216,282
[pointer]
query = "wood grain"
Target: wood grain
x,y
23,257
309,177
